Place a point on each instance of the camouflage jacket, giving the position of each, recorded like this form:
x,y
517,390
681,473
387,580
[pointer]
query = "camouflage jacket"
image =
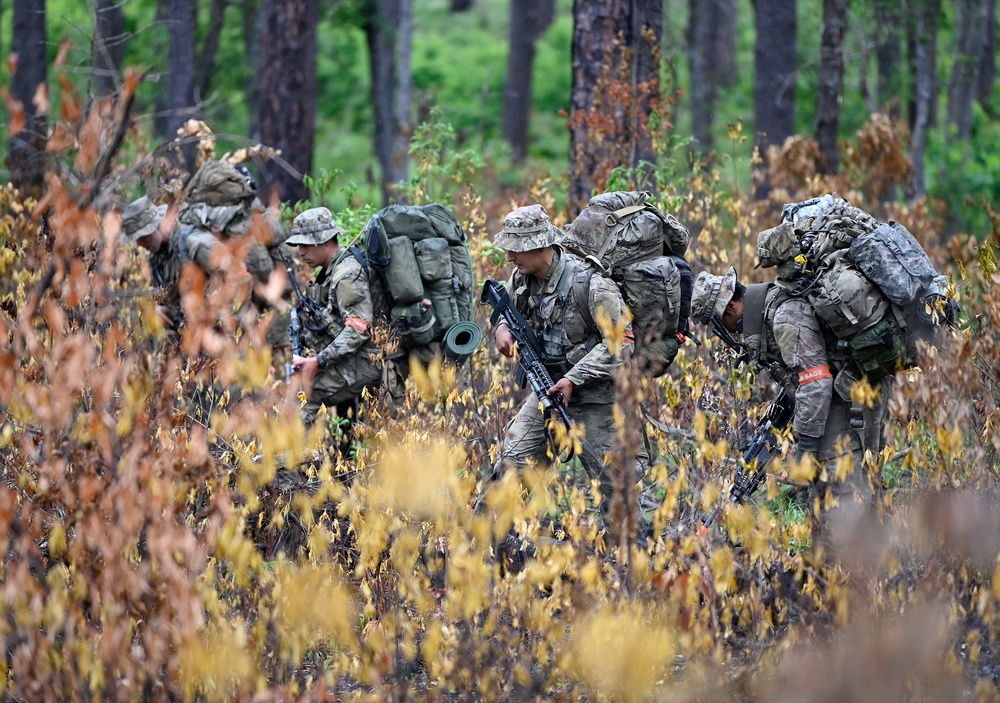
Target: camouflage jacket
x,y
165,265
562,311
205,228
799,352
341,290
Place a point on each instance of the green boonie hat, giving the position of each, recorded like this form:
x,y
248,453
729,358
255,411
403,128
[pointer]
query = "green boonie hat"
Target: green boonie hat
x,y
525,229
712,294
312,227
140,219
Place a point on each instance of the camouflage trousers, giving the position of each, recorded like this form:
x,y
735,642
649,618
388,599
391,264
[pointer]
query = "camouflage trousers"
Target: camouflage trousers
x,y
524,441
845,509
339,382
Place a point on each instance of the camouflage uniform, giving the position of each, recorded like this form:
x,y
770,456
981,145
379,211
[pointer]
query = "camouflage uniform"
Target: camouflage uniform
x,y
787,338
562,311
141,219
344,348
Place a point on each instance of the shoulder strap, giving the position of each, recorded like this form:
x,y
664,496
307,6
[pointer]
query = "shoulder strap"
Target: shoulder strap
x,y
753,307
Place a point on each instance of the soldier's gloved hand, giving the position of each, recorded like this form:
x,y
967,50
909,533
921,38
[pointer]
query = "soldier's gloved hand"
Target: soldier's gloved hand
x,y
564,386
806,445
504,340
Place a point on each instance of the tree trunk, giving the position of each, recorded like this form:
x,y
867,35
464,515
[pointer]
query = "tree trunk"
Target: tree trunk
x,y
528,20
970,30
924,67
180,67
161,45
647,35
726,70
830,93
210,47
107,46
774,84
888,54
26,159
463,5
988,62
252,29
702,40
388,25
288,94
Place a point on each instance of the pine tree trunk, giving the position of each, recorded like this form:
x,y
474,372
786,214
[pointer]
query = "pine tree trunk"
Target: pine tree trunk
x,y
461,5
774,84
528,20
210,47
702,39
252,29
26,148
388,31
107,46
888,54
180,67
288,94
647,35
988,61
830,93
726,70
970,39
924,68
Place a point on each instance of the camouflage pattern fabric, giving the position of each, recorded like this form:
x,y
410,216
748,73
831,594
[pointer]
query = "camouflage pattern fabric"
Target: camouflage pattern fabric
x,y
341,289
711,294
525,229
140,219
166,265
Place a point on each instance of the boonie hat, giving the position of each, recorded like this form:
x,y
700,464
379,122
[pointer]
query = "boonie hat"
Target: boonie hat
x,y
712,294
140,219
312,227
525,229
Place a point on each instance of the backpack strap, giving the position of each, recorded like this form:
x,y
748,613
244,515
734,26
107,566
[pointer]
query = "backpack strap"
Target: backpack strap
x,y
613,219
753,308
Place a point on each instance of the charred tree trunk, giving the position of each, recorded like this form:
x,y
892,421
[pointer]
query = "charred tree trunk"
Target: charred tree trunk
x,y
210,47
180,63
970,39
388,25
988,62
726,71
252,29
924,69
702,39
26,148
888,54
831,83
774,84
288,94
461,5
107,49
528,20
647,33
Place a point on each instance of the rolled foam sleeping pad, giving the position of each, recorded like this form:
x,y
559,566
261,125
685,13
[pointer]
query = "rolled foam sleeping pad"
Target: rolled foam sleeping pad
x,y
461,339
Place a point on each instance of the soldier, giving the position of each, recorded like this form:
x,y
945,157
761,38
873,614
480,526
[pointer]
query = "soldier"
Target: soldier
x,y
144,223
784,335
550,288
341,367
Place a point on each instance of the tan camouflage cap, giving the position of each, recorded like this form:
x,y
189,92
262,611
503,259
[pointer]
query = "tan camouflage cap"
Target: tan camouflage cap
x,y
312,227
712,294
140,219
525,229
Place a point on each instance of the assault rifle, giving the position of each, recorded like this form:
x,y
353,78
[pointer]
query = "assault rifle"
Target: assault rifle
x,y
529,353
762,448
311,311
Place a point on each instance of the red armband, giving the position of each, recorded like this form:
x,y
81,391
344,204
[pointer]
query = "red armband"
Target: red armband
x,y
360,324
816,373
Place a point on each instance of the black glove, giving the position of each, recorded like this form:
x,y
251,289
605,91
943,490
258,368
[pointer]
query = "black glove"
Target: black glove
x,y
806,445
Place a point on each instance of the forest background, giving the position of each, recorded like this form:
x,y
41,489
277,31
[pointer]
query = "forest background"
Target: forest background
x,y
159,544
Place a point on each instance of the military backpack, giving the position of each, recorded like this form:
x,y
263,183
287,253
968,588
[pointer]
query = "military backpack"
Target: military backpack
x,y
641,249
420,275
871,283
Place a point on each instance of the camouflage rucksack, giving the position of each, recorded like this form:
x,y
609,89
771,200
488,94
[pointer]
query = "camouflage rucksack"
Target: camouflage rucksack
x,y
642,250
421,276
872,284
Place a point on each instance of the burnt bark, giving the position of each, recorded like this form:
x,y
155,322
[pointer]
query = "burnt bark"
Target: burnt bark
x,y
927,14
389,26
210,47
107,49
702,39
988,61
726,70
180,66
252,29
830,91
888,54
461,5
970,30
26,148
774,84
288,95
647,33
528,21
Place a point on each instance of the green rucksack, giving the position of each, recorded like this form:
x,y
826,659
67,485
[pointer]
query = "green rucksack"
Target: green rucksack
x,y
872,284
642,250
421,278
